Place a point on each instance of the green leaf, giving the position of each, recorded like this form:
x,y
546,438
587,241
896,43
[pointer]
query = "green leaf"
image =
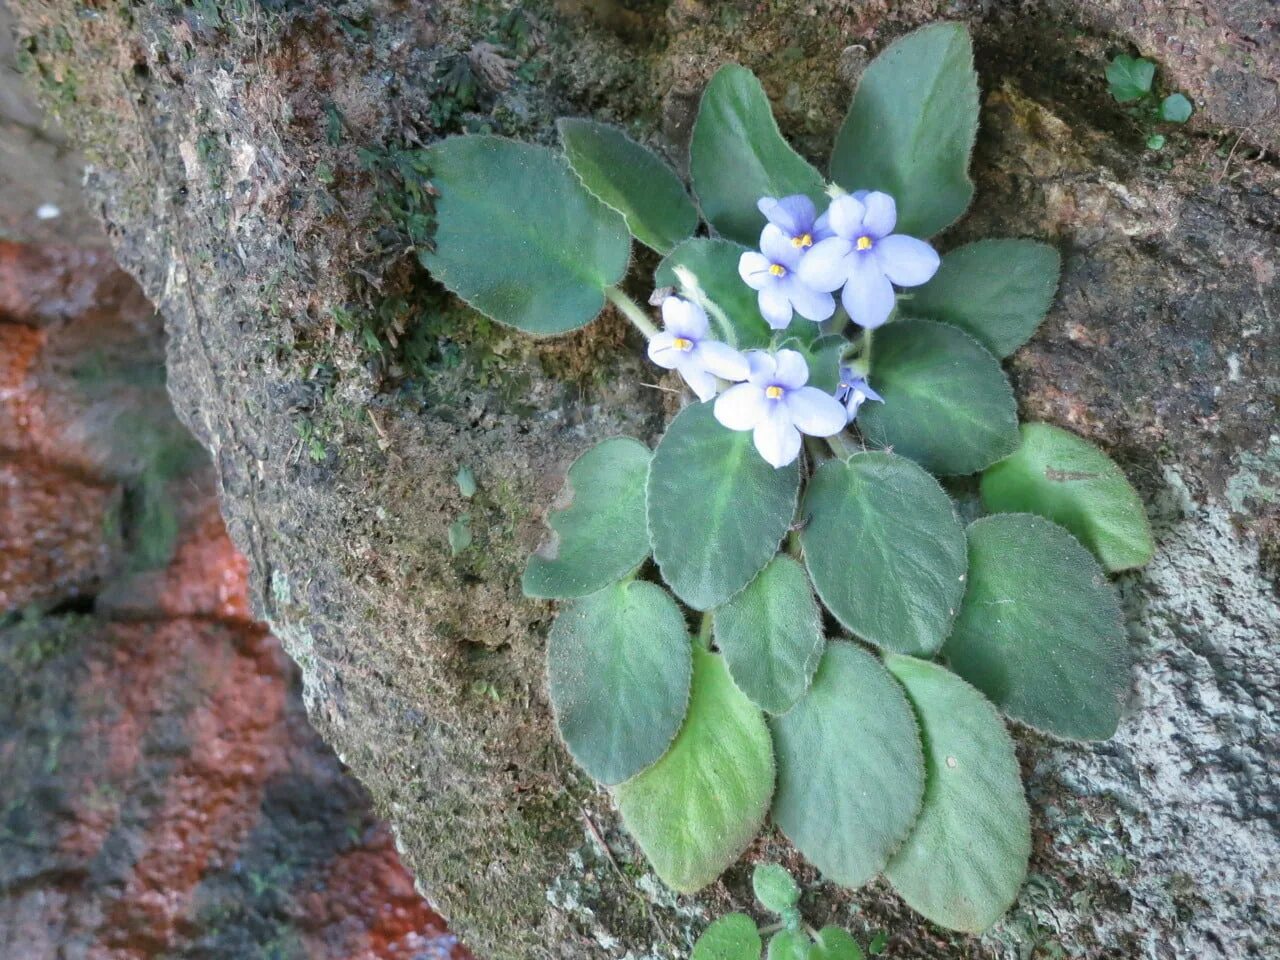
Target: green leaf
x,y
1130,78
737,156
771,635
1070,481
1040,631
822,354
947,404
774,887
1175,108
717,511
834,943
997,291
910,129
789,945
714,263
519,237
966,857
631,179
701,805
850,768
885,550
597,523
618,668
732,937
1155,141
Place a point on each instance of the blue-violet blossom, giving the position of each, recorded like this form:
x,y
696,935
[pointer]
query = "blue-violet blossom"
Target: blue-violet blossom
x,y
866,257
854,391
792,231
686,347
778,407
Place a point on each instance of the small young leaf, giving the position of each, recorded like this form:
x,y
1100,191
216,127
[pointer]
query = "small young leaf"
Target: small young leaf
x,y
911,127
1070,481
789,945
850,768
1175,108
737,156
774,887
1130,78
997,291
835,943
732,937
947,404
1155,141
714,263
632,179
519,237
717,511
460,534
885,550
1040,631
771,635
466,480
697,809
966,856
618,668
598,524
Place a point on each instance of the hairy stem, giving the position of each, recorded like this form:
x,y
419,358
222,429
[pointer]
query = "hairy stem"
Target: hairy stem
x,y
840,446
632,311
704,631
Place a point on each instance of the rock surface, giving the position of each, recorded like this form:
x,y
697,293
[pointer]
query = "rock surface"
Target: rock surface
x,y
244,160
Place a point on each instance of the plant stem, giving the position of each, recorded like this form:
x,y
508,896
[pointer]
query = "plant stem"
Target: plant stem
x,y
866,350
632,311
704,631
840,446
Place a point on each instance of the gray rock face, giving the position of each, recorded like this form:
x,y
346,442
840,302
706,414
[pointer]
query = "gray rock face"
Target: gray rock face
x,y
225,162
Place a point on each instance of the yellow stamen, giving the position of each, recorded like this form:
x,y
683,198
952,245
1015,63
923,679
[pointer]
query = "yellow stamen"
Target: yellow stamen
x,y
864,243
773,393
778,270
802,241
680,343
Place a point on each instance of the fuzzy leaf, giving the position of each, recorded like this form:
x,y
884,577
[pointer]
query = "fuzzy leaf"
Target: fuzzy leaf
x,y
850,768
771,635
1040,631
519,237
966,856
1130,78
1070,481
774,887
698,808
1175,108
717,511
631,179
618,668
834,943
947,404
789,945
885,550
911,127
732,937
737,156
821,353
715,264
997,291
598,523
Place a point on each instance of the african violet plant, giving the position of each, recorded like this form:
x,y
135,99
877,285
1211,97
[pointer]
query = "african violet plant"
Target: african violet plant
x,y
856,644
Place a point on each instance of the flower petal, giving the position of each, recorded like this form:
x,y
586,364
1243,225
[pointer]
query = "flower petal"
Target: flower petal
x,y
868,296
760,367
663,352
845,216
685,318
776,437
753,268
741,407
826,266
721,360
775,306
906,261
777,246
882,214
822,227
702,382
816,413
815,305
793,370
794,214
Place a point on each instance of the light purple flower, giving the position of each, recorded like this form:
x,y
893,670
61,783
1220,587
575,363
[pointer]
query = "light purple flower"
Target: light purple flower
x,y
686,346
867,257
773,273
776,404
797,218
854,391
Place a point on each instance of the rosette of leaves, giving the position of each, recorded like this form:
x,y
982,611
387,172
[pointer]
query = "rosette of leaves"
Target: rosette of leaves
x,y
825,644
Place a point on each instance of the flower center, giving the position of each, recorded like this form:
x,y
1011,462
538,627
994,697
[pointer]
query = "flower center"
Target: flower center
x,y
802,241
680,343
778,270
773,393
864,243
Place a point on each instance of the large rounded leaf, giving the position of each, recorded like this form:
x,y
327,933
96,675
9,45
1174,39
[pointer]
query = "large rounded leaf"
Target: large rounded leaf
x,y
1070,481
997,291
850,768
1040,631
519,237
771,635
598,524
633,180
738,156
947,404
910,129
885,550
966,856
697,809
618,667
714,263
717,510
